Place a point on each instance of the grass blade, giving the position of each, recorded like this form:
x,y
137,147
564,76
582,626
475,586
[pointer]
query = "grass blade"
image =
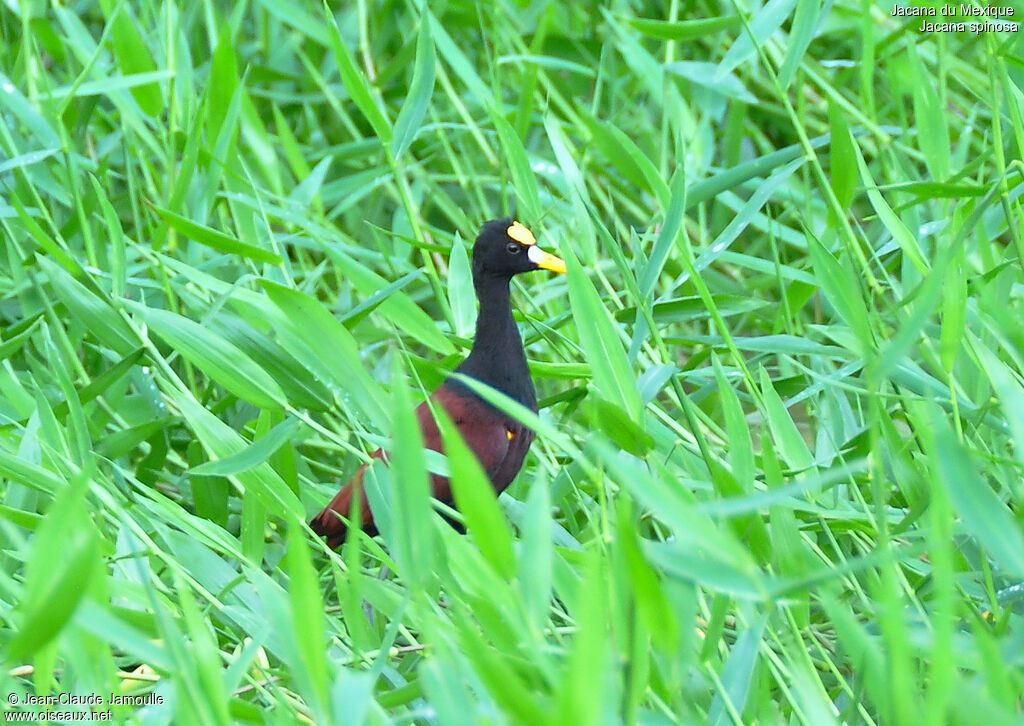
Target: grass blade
x,y
407,125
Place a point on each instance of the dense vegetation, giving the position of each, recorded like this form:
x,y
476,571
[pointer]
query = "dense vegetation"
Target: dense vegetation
x,y
781,439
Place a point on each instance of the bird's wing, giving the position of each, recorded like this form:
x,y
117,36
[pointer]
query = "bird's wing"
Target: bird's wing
x,y
499,444
329,524
482,428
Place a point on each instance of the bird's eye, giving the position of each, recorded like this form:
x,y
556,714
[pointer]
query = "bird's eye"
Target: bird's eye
x,y
513,248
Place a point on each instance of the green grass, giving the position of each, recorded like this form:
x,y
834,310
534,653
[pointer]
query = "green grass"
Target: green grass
x,y
778,477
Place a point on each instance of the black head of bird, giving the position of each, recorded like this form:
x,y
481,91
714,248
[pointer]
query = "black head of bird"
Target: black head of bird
x,y
505,248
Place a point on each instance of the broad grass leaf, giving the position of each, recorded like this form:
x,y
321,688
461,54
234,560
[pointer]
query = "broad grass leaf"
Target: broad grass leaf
x,y
843,174
260,450
300,388
101,383
461,297
216,240
476,500
738,673
223,361
209,493
13,341
785,433
805,22
117,241
120,443
954,313
705,567
747,214
221,441
445,686
97,314
133,55
842,290
310,189
355,82
599,337
702,191
106,624
296,15
667,236
619,427
37,124
524,182
323,345
307,619
985,516
411,115
713,78
693,308
396,307
352,317
18,469
254,526
1009,391
741,447
353,695
565,155
207,695
898,230
223,81
453,56
862,647
767,19
701,550
930,117
646,588
503,682
627,157
413,535
64,560
684,29
588,661
536,554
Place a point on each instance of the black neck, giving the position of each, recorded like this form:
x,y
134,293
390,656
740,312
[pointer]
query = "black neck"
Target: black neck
x,y
497,358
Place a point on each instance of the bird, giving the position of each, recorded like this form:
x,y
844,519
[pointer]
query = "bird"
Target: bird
x,y
504,248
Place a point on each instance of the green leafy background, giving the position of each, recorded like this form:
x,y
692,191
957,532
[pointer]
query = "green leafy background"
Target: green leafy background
x,y
778,477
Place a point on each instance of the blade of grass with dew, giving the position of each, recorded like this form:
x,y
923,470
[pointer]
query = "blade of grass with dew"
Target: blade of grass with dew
x,y
219,359
324,346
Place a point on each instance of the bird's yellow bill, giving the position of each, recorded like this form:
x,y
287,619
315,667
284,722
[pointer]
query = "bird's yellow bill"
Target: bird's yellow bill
x,y
546,260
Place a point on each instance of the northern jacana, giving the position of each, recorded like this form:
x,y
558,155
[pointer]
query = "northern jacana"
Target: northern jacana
x,y
503,249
